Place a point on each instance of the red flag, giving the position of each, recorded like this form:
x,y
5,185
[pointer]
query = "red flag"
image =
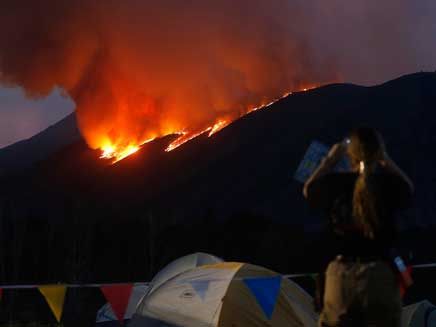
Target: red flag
x,y
1,293
118,297
405,283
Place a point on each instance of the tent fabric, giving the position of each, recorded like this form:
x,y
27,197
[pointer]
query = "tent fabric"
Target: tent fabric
x,y
181,265
178,302
240,307
106,314
141,321
218,295
300,301
421,314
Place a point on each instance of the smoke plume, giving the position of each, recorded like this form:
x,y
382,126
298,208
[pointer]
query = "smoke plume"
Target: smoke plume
x,y
141,69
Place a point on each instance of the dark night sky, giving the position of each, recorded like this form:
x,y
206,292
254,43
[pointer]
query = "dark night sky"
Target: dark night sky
x,y
364,57
21,118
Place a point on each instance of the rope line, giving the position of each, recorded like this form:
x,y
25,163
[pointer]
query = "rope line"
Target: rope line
x,y
97,285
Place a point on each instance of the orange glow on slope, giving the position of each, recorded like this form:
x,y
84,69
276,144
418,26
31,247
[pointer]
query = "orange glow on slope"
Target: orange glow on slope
x,y
185,137
219,126
117,152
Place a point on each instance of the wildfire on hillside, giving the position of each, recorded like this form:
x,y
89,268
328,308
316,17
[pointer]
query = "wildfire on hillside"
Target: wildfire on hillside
x,y
138,70
118,152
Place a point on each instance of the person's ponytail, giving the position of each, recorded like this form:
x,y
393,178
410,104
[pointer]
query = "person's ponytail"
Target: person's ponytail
x,y
366,209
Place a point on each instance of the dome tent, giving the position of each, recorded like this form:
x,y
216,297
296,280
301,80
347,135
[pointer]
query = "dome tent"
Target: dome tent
x,y
226,295
421,314
106,317
181,265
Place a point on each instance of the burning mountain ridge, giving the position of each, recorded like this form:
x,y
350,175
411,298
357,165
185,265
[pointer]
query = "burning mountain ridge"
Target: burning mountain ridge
x,y
116,153
140,70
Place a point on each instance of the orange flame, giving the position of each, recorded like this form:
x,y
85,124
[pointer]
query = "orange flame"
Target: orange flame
x,y
219,126
111,152
119,152
185,137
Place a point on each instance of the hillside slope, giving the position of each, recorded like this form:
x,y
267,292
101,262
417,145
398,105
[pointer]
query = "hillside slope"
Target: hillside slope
x,y
24,154
249,165
232,194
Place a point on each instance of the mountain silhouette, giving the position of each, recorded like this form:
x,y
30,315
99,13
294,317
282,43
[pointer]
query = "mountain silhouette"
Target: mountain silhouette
x,y
250,164
24,154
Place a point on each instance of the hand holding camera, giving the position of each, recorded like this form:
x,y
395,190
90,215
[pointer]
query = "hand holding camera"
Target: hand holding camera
x,y
338,150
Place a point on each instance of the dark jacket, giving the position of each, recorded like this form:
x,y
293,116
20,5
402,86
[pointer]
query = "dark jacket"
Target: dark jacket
x,y
333,194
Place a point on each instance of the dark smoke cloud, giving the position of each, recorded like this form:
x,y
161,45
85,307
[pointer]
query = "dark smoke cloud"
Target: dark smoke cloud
x,y
139,69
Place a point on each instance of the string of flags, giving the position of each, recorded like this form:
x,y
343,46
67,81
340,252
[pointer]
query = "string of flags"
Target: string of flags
x,y
117,295
264,289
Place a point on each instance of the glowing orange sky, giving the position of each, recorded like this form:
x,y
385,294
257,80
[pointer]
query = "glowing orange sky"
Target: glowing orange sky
x,y
137,70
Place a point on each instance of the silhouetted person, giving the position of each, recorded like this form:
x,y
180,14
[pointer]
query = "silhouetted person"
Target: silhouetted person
x,y
361,287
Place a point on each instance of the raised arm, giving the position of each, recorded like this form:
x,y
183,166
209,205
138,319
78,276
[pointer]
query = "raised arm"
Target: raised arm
x,y
327,164
392,167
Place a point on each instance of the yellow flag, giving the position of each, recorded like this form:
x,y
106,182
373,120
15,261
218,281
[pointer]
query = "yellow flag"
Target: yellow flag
x,y
55,296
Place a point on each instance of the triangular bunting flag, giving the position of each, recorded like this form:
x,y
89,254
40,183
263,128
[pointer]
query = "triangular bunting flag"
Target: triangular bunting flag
x,y
118,297
55,297
265,290
200,287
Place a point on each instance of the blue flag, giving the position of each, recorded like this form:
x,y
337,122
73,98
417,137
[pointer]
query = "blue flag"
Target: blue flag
x,y
314,154
266,291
